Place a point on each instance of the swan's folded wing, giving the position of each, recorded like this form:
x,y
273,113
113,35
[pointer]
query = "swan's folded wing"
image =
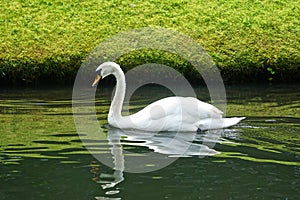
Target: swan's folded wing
x,y
179,106
174,113
198,110
205,107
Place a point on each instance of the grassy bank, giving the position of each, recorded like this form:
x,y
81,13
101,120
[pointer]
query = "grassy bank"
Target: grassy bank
x,y
248,41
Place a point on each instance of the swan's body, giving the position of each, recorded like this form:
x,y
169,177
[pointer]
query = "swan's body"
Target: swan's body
x,y
169,114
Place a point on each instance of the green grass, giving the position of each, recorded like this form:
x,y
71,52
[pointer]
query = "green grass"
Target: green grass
x,y
249,41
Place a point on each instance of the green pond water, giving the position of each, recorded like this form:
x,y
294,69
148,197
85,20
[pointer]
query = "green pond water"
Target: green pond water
x,y
43,157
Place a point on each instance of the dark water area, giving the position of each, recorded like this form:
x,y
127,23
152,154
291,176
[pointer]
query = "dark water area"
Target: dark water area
x,y
42,156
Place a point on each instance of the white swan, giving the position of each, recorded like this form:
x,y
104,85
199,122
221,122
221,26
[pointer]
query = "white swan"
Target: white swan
x,y
185,114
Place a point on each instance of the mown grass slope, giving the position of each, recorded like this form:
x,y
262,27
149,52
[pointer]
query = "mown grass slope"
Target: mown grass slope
x,y
249,41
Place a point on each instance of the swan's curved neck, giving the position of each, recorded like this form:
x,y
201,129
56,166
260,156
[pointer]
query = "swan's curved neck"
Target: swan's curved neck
x,y
117,102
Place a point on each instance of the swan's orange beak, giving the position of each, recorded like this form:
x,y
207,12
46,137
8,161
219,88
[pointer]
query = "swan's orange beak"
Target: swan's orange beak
x,y
97,79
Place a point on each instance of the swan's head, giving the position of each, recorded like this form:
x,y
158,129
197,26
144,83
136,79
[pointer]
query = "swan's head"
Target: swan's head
x,y
104,70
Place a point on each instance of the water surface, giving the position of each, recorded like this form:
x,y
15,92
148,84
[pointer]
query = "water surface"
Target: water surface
x,y
42,156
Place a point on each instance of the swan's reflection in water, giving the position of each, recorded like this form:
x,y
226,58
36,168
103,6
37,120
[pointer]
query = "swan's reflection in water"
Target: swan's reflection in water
x,y
172,144
166,145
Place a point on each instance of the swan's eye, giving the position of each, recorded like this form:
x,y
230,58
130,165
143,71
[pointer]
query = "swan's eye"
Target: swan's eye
x,y
98,72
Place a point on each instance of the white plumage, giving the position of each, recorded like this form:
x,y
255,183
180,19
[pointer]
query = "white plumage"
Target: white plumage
x,y
185,114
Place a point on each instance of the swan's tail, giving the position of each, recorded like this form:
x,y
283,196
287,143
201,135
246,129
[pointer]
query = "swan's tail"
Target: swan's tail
x,y
227,122
218,123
